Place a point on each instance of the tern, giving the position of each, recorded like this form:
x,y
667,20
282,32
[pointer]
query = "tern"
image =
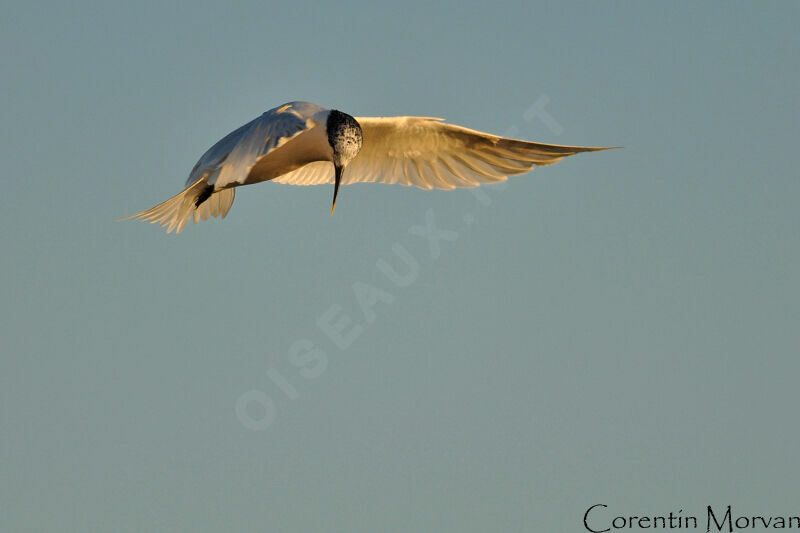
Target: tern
x,y
301,143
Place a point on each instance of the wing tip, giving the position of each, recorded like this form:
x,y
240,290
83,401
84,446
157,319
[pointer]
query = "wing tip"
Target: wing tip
x,y
600,148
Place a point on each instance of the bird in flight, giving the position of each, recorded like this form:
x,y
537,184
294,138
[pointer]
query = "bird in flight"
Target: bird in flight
x,y
301,143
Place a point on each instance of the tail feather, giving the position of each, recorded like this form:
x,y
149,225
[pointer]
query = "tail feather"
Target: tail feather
x,y
178,210
217,205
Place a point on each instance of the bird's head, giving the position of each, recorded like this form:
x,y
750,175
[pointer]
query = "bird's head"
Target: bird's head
x,y
344,136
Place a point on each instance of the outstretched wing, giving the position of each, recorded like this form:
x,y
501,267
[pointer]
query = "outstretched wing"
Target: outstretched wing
x,y
430,154
229,161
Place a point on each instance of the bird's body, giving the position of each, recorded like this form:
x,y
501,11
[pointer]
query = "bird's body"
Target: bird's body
x,y
301,143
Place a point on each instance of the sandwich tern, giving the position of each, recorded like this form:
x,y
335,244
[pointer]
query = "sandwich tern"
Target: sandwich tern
x,y
301,143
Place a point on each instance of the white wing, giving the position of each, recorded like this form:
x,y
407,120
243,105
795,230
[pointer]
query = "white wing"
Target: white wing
x,y
430,154
228,163
230,160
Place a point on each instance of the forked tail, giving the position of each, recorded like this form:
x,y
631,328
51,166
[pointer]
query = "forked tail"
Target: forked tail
x,y
197,201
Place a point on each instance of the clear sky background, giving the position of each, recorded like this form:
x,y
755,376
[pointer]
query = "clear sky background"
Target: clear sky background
x,y
620,328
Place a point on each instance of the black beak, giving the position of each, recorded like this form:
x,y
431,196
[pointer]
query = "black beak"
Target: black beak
x,y
336,186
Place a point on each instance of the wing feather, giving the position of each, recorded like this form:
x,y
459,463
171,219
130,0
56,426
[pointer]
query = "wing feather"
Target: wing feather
x,y
229,161
429,153
461,180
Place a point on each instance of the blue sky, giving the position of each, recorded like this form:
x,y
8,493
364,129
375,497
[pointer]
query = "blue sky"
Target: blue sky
x,y
620,328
